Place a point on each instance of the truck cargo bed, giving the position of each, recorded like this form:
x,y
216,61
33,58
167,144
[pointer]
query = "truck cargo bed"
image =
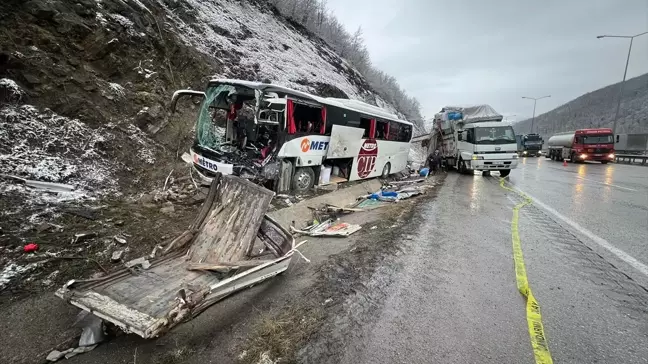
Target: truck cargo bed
x,y
231,245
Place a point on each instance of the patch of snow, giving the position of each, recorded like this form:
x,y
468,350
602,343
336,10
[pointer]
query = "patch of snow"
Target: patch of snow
x,y
116,88
101,19
122,20
13,270
45,146
12,87
146,154
125,23
266,45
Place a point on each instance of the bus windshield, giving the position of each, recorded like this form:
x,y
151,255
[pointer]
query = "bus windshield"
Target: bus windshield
x,y
208,134
494,135
598,139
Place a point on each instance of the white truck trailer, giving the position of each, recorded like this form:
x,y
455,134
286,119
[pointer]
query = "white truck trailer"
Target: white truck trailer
x,y
474,138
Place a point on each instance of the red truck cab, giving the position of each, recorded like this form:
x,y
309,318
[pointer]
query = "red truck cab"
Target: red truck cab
x,y
594,145
583,145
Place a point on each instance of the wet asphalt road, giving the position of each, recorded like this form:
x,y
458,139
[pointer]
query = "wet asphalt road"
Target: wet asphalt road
x,y
455,298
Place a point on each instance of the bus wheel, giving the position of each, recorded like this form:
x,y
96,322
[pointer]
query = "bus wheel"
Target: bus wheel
x,y
303,179
504,172
386,170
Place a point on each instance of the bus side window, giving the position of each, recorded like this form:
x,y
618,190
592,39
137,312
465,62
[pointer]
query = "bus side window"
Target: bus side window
x,y
405,133
366,125
394,131
382,127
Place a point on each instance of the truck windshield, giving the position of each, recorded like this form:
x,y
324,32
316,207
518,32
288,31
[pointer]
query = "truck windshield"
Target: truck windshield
x,y
598,139
208,134
495,135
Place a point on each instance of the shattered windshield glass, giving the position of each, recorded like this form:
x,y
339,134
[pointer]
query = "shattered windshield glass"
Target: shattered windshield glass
x,y
208,134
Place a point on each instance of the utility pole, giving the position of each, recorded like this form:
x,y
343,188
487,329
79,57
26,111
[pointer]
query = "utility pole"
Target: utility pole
x,y
625,72
535,100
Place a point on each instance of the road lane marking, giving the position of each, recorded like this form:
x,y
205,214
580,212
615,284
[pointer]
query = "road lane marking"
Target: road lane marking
x,y
534,318
606,184
625,257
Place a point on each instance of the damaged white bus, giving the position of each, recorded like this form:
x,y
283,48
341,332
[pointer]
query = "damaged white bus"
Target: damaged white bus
x,y
291,140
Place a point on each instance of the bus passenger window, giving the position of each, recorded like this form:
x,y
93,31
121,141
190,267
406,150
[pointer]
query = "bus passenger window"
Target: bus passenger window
x,y
366,125
382,127
405,133
394,130
308,119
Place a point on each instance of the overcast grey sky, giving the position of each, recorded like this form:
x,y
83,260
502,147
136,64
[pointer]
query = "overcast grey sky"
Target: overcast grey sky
x,y
472,51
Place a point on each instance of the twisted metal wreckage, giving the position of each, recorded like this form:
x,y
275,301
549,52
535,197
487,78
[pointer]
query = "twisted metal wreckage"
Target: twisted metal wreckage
x,y
231,245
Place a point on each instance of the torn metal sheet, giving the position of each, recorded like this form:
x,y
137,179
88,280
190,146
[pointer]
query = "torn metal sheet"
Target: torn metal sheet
x,y
226,236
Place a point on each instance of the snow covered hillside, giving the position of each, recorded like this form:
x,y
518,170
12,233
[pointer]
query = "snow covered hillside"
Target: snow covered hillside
x,y
110,65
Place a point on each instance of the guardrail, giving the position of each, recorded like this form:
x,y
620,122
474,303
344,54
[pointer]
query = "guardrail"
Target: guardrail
x,y
631,159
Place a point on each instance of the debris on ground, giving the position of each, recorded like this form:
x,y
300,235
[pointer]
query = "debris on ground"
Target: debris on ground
x,y
81,237
120,240
117,255
328,228
31,247
92,334
231,245
139,262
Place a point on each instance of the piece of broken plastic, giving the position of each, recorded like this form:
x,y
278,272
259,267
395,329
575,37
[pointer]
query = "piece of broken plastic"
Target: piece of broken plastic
x,y
92,333
31,247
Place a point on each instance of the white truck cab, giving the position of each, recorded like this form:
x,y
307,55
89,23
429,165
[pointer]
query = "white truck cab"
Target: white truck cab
x,y
474,138
487,146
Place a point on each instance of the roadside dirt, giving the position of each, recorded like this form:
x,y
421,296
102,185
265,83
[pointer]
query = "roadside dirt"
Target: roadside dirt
x,y
274,319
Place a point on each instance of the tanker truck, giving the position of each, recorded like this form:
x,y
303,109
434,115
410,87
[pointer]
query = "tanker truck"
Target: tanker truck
x,y
582,145
474,138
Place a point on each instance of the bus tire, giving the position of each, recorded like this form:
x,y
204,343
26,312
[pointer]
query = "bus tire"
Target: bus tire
x,y
386,170
504,172
303,179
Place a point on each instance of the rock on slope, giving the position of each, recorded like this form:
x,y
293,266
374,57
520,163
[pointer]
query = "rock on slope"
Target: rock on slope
x,y
597,109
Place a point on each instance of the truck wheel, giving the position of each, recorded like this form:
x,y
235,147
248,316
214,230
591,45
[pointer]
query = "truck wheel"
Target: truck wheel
x,y
504,172
462,167
604,162
572,158
303,179
386,171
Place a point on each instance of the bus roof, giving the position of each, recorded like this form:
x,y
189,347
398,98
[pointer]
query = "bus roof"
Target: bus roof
x,y
348,104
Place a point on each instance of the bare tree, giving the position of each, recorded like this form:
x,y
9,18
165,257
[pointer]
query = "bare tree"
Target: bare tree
x,y
315,16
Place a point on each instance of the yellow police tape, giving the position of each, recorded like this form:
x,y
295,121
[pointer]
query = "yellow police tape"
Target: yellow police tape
x,y
534,318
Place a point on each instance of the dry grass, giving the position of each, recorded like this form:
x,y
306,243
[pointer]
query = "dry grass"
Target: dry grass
x,y
279,335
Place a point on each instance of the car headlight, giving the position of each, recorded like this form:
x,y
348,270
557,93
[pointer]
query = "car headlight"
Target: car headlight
x,y
477,157
583,156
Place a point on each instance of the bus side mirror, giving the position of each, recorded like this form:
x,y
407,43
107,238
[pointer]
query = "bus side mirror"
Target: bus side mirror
x,y
182,93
